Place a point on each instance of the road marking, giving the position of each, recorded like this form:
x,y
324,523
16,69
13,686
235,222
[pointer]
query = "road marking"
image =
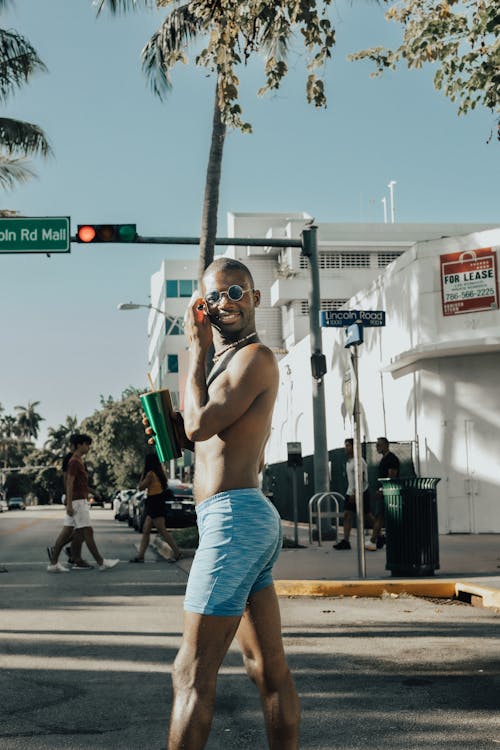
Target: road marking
x,y
22,526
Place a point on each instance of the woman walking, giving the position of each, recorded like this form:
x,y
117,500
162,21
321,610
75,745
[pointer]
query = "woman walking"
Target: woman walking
x,y
154,481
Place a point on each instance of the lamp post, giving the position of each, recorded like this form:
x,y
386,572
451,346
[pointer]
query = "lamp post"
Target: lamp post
x,y
391,191
135,306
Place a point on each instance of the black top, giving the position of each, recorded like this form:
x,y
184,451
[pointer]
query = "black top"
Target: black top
x,y
389,461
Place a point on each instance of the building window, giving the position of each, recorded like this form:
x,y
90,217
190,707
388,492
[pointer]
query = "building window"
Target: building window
x,y
385,258
326,304
171,288
172,363
172,330
180,287
185,288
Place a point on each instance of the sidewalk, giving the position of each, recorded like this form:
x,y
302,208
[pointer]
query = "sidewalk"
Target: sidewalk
x,y
469,568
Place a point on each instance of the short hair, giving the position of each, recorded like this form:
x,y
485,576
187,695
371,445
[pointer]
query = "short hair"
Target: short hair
x,y
383,440
228,264
350,441
80,439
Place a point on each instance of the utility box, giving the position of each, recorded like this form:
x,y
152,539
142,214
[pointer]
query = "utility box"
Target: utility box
x,y
411,525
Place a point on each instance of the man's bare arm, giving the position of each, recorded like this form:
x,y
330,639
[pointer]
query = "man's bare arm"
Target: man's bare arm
x,y
70,481
251,372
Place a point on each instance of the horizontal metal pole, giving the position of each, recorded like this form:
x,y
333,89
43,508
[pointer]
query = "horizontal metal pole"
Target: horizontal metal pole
x,y
244,241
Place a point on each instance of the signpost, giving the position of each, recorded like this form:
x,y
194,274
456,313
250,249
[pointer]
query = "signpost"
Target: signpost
x,y
354,321
39,234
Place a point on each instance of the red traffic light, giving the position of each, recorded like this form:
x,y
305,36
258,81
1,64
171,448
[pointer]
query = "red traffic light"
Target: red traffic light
x,y
85,233
106,233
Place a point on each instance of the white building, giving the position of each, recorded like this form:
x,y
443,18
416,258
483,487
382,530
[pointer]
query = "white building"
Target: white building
x,y
350,257
432,375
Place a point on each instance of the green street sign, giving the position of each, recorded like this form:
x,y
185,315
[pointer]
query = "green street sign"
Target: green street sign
x,y
40,234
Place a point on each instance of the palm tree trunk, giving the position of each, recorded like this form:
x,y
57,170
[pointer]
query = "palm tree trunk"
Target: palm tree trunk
x,y
211,199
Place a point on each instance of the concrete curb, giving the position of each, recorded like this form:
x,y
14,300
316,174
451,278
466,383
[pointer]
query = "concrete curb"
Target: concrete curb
x,y
444,588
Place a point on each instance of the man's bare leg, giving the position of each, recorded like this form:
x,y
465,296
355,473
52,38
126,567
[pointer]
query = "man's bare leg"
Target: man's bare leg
x,y
88,535
259,636
62,539
205,641
76,546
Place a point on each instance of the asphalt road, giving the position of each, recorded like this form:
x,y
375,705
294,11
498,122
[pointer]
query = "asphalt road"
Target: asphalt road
x,y
85,659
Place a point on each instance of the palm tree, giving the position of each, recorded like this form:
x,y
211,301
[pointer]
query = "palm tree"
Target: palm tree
x,y
58,437
165,49
28,419
18,139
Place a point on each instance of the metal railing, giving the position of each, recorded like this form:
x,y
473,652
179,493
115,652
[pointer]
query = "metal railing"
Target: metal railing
x,y
315,511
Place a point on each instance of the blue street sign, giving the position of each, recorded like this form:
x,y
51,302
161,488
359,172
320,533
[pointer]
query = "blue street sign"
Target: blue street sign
x,y
344,318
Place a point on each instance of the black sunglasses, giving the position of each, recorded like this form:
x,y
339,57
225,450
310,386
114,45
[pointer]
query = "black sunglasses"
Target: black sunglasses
x,y
235,292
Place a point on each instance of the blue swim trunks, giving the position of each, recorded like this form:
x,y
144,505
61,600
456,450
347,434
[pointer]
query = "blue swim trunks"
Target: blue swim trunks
x,y
240,540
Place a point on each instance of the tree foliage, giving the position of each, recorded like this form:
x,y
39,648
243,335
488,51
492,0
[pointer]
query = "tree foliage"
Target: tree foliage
x,y
118,443
234,31
460,37
19,61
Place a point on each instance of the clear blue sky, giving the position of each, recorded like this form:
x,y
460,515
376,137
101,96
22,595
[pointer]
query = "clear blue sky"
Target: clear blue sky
x,y
121,155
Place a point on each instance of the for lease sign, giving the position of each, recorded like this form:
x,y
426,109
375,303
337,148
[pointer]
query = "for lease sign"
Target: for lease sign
x,y
469,281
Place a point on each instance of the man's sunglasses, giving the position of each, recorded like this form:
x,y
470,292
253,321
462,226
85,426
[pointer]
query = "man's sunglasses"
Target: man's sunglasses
x,y
234,293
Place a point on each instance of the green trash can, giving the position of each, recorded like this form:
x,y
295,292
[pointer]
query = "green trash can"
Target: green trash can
x,y
411,524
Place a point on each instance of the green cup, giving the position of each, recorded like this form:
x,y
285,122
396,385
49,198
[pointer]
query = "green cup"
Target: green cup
x,y
161,417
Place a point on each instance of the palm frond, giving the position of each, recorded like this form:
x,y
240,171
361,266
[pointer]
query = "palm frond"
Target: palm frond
x,y
166,47
18,62
122,6
21,137
14,172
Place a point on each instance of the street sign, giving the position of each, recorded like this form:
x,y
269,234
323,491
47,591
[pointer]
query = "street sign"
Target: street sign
x,y
39,234
345,318
354,335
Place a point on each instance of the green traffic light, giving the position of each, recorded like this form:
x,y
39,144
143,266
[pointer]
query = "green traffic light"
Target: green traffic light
x,y
127,232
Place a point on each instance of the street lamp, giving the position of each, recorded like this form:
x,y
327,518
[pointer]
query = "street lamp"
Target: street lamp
x,y
171,319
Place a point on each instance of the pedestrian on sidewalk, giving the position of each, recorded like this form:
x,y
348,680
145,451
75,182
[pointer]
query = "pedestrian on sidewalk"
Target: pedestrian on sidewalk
x,y
350,508
77,509
387,468
230,592
154,481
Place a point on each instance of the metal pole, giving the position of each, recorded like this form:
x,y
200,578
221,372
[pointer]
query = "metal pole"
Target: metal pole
x,y
321,474
358,470
295,506
391,190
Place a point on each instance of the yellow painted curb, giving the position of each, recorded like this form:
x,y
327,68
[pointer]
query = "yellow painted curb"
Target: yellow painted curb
x,y
444,588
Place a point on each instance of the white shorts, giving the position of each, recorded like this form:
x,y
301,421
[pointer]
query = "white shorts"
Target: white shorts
x,y
81,515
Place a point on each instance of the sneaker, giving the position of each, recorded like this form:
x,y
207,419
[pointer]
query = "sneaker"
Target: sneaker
x,y
108,564
380,542
82,565
57,568
50,554
371,546
137,560
344,544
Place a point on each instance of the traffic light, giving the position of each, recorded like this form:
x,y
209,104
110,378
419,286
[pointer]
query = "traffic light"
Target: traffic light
x,y
106,233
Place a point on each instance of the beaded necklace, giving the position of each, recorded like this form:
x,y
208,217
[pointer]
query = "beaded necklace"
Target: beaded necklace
x,y
220,354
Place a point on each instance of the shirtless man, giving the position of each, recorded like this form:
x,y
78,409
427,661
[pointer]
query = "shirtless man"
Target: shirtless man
x,y
230,590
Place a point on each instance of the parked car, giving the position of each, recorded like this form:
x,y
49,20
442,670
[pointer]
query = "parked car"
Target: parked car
x,y
121,503
179,507
16,503
96,499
